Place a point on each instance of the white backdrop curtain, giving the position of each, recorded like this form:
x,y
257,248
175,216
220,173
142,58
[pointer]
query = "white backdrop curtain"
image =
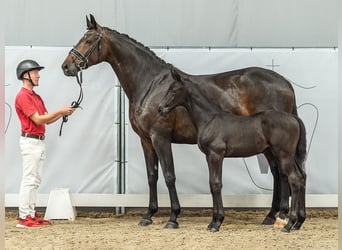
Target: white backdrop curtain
x,y
223,23
84,158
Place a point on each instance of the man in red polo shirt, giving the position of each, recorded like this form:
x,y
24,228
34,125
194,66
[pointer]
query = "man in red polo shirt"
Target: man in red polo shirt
x,y
33,116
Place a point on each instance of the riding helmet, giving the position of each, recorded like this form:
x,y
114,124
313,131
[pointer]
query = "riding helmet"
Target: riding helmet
x,y
25,66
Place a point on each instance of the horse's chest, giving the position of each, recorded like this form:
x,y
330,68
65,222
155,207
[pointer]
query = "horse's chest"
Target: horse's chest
x,y
141,117
144,119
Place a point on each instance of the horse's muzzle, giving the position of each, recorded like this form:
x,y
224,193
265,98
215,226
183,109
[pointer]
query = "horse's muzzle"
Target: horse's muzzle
x,y
69,69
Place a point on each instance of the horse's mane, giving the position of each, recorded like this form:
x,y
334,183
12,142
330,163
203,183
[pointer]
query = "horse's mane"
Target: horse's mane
x,y
137,43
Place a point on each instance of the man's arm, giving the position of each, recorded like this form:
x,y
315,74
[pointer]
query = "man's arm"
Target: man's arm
x,y
48,118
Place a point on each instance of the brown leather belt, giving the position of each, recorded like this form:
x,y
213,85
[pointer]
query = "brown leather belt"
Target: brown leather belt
x,y
38,137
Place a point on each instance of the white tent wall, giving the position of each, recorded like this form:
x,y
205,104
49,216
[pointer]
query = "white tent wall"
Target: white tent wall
x,y
84,158
222,23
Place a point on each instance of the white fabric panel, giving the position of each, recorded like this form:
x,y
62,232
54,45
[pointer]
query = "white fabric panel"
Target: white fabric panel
x,y
314,76
83,158
291,23
180,23
224,23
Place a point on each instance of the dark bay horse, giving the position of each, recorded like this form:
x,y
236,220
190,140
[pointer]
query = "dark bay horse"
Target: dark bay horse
x,y
222,134
145,79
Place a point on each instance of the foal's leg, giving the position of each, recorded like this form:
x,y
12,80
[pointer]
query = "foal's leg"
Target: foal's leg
x,y
294,179
215,180
302,209
152,175
162,145
281,192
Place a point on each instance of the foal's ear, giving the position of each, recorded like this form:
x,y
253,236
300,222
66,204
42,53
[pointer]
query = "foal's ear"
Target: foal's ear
x,y
91,24
175,75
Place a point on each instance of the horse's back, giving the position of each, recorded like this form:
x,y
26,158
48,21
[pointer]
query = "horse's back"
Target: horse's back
x,y
247,91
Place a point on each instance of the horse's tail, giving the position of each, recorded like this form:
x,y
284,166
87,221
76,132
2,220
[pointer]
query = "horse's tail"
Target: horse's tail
x,y
300,156
294,108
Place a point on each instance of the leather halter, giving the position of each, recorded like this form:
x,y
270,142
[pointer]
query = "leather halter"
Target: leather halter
x,y
83,64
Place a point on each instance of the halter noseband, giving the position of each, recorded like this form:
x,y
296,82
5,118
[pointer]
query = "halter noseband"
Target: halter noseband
x,y
84,58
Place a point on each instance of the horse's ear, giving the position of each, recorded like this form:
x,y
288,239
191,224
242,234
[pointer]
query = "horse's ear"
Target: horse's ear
x,y
88,23
91,24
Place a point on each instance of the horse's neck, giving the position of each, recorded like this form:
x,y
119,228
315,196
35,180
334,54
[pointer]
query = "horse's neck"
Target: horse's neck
x,y
135,65
200,108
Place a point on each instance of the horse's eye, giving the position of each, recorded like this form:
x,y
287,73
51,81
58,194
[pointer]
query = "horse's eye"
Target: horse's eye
x,y
88,41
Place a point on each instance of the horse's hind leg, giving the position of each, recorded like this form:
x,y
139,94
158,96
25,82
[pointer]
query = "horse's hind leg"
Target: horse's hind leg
x,y
215,180
280,200
152,175
301,211
294,179
162,145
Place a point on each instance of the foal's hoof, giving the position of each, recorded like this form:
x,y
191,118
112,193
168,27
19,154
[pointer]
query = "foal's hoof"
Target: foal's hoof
x,y
268,221
297,226
213,228
172,225
280,223
285,230
145,222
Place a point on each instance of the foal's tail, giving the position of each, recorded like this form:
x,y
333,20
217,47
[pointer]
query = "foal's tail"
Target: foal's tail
x,y
301,148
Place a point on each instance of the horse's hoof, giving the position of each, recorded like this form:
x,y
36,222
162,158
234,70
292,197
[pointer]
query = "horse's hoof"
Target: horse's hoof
x,y
280,223
145,222
297,226
211,227
285,230
268,221
172,224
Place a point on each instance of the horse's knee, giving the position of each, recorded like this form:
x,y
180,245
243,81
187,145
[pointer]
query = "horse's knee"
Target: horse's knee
x,y
215,187
170,180
152,179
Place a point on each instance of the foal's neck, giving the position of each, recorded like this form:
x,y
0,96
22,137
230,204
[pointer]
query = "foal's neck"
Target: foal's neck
x,y
201,108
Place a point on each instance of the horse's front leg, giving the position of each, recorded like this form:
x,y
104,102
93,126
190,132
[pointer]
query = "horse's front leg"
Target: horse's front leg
x,y
151,161
215,181
162,145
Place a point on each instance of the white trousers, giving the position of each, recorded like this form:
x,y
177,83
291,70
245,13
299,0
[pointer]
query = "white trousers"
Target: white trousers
x,y
33,154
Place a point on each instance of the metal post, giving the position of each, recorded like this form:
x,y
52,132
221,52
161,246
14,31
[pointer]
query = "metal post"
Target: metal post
x,y
121,144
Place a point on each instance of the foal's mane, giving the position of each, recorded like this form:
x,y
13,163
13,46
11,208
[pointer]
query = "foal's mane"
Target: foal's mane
x,y
135,42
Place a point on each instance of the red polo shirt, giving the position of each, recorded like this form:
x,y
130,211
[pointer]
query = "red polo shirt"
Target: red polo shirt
x,y
27,103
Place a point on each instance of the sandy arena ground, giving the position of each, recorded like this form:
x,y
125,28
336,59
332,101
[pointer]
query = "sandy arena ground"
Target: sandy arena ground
x,y
241,229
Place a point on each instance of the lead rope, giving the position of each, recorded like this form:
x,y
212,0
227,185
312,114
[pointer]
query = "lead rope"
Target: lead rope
x,y
74,104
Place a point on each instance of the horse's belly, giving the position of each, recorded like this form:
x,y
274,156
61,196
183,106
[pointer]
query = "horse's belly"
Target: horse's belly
x,y
245,149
